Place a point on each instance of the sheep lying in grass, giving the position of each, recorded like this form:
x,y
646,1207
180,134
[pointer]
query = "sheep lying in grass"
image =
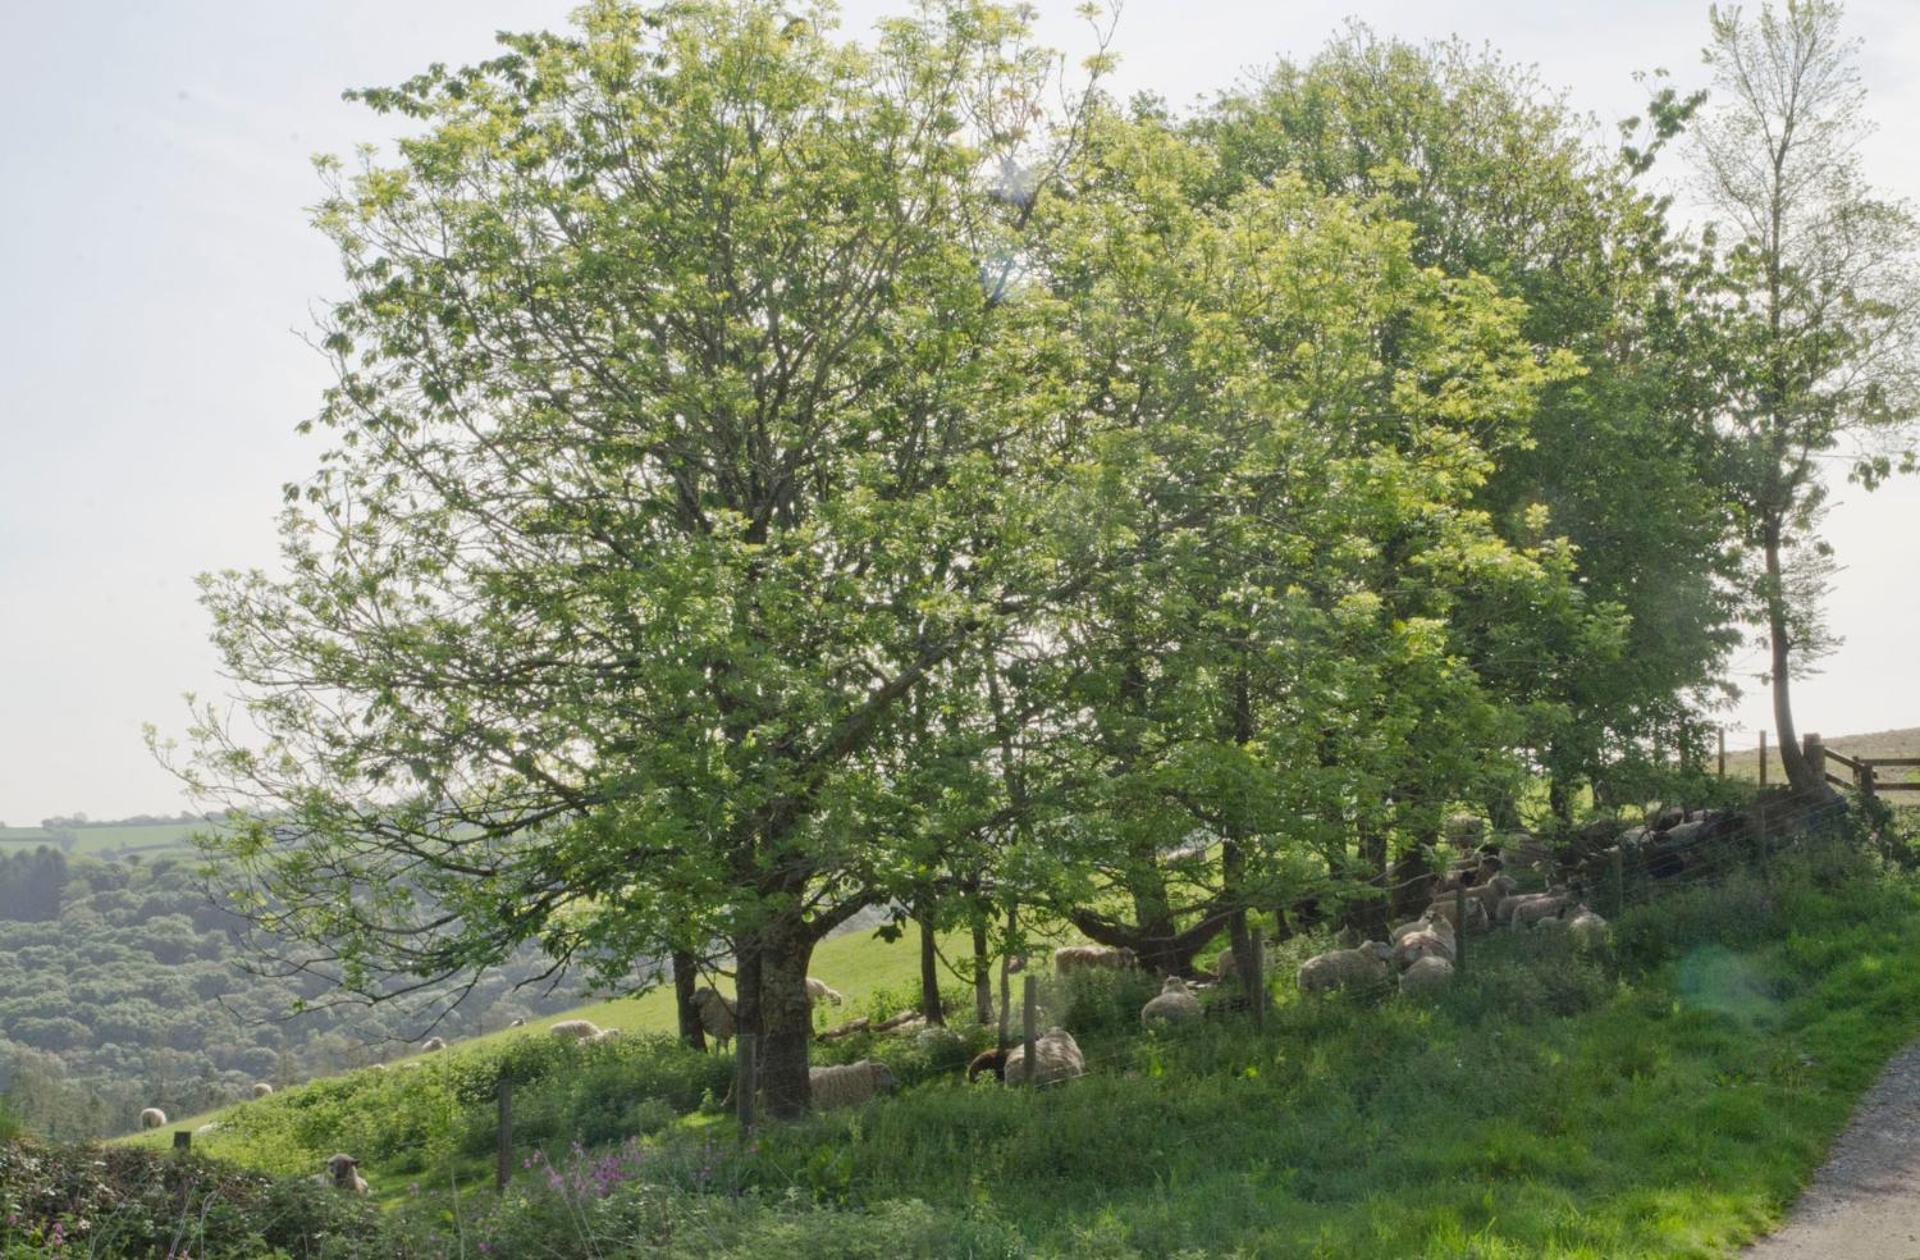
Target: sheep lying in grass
x,y
152,1118
849,1084
1056,1056
208,1129
821,991
1070,958
1588,930
343,1174
1434,941
433,1045
261,1089
574,1030
605,1034
716,1015
1175,1004
1426,977
1531,910
1365,967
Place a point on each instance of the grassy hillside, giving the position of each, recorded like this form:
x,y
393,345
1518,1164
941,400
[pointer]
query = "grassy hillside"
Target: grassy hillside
x,y
1666,1099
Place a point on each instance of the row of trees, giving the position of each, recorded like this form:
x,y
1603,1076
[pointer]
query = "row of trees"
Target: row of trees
x,y
774,477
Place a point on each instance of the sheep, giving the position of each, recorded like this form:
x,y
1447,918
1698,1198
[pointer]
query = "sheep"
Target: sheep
x,y
574,1030
342,1174
819,990
1445,908
516,1023
1426,977
1363,967
1588,930
152,1118
994,1061
1404,930
1174,1005
261,1089
1089,957
849,1084
208,1129
433,1045
1435,942
1533,909
716,1015
1511,904
1056,1056
605,1034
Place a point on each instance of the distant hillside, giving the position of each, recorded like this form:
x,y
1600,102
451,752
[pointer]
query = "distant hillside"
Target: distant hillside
x,y
1745,763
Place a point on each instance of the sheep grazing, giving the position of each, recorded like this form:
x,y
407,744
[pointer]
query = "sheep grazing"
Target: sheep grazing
x,y
849,1084
821,991
1436,941
574,1030
516,1023
994,1061
716,1015
1070,958
261,1089
343,1174
152,1118
1364,967
605,1034
1056,1056
1588,930
433,1045
1174,1005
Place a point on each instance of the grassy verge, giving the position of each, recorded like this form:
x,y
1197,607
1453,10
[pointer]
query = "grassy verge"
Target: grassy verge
x,y
1667,1100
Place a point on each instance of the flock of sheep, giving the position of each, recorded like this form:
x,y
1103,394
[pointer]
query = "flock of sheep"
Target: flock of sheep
x,y
1470,898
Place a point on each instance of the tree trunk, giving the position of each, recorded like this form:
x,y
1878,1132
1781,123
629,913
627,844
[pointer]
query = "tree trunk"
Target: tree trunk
x,y
982,975
930,973
786,1020
686,978
746,1008
1233,870
1006,977
1370,915
1801,775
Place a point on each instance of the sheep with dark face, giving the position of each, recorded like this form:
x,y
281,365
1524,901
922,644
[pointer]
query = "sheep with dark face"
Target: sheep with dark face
x,y
716,1015
849,1084
343,1175
1175,1004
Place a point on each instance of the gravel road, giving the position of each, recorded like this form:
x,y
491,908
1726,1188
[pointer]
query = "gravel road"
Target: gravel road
x,y
1864,1203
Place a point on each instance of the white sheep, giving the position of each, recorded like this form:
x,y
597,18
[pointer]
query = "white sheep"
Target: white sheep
x,y
433,1045
1056,1056
152,1118
1364,967
821,991
605,1034
343,1174
208,1129
1445,907
261,1089
1426,977
574,1030
1175,1004
1588,930
716,1015
1070,958
516,1023
849,1084
1533,909
1436,941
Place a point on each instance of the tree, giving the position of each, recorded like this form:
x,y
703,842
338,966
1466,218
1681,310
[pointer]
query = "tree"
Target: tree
x,y
685,432
1816,328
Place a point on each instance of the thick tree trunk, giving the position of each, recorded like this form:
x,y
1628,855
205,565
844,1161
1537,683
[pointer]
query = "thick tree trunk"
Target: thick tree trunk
x,y
686,978
982,975
746,1010
1233,872
1801,775
786,1019
930,973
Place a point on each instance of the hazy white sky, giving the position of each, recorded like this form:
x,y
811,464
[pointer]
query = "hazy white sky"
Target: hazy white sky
x,y
157,269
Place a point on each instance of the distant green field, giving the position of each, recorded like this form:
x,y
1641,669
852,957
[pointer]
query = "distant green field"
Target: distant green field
x,y
150,839
1744,763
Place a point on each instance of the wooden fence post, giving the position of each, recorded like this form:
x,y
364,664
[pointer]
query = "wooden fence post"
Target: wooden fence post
x,y
746,1082
183,1140
1257,990
1722,733
1460,929
1763,758
1815,750
503,1152
1030,1015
